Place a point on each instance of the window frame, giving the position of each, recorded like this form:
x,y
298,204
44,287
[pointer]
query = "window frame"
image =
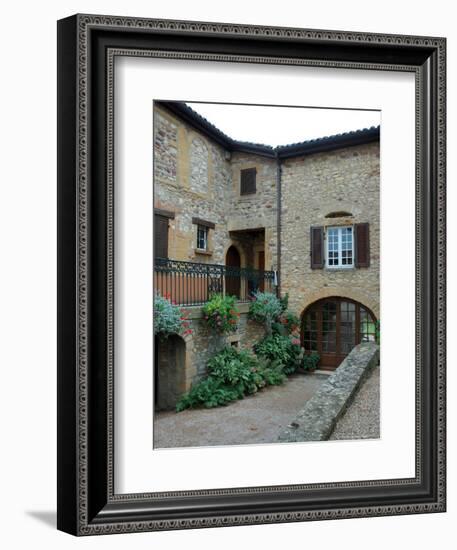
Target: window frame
x,y
205,230
339,265
251,169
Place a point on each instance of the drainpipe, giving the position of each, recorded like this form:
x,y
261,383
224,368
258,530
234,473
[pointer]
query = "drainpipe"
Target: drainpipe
x,y
278,222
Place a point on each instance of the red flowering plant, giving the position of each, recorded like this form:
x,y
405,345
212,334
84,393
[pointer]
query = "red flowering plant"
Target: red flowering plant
x,y
169,318
289,321
295,344
220,313
295,339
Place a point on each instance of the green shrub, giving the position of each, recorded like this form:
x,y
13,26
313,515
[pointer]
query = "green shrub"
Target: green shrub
x,y
278,328
283,349
232,374
236,368
284,301
208,393
169,318
310,361
273,373
265,308
220,313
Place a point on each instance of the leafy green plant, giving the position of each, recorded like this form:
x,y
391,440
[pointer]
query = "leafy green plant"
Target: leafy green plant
x,y
169,318
282,349
265,308
289,322
237,368
273,373
208,393
284,302
310,361
232,374
220,313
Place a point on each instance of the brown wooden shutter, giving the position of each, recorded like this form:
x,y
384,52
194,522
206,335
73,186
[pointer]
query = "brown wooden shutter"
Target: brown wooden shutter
x,y
248,181
160,236
362,245
317,247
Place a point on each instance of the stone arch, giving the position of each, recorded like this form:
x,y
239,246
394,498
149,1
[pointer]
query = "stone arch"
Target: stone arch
x,y
243,263
333,325
174,369
338,214
342,292
240,250
334,206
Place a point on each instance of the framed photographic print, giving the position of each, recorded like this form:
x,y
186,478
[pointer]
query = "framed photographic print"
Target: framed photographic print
x,y
251,274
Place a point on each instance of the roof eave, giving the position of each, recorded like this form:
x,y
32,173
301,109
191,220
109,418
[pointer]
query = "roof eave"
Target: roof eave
x,y
282,152
329,144
199,123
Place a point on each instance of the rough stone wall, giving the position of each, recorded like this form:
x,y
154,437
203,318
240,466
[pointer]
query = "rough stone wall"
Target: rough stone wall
x,y
312,187
198,166
192,178
165,147
195,177
204,343
259,209
182,360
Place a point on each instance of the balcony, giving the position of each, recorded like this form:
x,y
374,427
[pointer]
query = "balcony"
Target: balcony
x,y
192,283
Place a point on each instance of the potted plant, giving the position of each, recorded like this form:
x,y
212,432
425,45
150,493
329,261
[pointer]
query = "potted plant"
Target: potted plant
x,y
169,318
309,362
220,314
265,308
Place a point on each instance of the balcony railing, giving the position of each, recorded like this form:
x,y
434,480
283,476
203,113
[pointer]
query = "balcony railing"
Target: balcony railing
x,y
192,283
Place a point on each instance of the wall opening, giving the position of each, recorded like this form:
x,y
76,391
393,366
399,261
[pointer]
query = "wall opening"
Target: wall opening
x,y
233,283
169,371
332,327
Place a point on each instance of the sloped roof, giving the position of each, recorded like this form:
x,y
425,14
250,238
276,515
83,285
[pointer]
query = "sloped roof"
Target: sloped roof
x,y
327,143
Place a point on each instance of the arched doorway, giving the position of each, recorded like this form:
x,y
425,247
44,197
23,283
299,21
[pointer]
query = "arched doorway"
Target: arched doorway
x,y
169,371
333,326
232,282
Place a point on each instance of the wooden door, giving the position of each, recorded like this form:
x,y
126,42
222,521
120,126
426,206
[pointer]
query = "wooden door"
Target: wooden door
x,y
232,281
333,326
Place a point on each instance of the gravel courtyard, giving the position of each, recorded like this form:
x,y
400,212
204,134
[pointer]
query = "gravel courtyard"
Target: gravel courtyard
x,y
361,419
255,419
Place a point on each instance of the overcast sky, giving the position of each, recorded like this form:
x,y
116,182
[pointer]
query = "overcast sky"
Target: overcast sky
x,y
283,125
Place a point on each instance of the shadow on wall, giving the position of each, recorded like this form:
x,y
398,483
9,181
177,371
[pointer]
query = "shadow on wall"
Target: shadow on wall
x,y
169,371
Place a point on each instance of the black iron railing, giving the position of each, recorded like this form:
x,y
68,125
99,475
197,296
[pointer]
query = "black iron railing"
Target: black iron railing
x,y
192,283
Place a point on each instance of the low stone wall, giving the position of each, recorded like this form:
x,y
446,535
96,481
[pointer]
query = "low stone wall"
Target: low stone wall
x,y
316,421
205,342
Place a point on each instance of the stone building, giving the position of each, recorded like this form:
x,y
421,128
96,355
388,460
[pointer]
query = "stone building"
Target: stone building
x,y
233,217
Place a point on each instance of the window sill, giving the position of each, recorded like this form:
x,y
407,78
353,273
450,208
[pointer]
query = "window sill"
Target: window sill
x,y
202,252
351,268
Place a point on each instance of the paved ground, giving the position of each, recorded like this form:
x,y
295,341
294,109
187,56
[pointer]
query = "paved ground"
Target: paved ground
x,y
361,420
254,419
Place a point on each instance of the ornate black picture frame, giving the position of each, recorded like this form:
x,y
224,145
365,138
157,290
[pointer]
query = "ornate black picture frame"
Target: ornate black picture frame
x,y
87,503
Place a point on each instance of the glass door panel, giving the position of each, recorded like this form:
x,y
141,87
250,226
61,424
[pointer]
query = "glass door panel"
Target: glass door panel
x,y
329,327
347,327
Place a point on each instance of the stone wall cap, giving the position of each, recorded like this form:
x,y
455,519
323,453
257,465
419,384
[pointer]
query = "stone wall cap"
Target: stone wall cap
x,y
317,420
